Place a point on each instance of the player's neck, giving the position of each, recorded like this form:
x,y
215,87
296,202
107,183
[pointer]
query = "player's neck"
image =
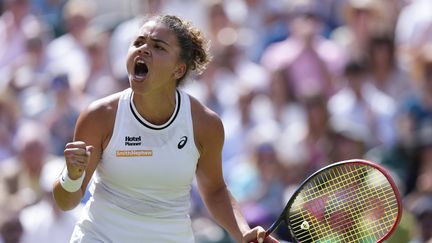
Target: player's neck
x,y
156,108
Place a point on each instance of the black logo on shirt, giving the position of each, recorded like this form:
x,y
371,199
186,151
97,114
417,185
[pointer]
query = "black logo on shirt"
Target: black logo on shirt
x,y
182,143
132,141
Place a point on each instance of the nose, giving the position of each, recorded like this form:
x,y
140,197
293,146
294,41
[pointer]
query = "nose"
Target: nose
x,y
144,49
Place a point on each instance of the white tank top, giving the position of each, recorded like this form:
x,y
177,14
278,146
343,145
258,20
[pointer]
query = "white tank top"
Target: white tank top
x,y
141,188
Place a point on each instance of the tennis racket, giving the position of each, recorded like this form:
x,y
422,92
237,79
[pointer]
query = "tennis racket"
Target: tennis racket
x,y
348,201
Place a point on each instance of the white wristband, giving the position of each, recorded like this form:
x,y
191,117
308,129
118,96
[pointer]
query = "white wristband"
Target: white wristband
x,y
68,184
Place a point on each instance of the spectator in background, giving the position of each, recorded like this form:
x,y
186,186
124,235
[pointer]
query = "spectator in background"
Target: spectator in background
x,y
418,106
311,62
416,112
31,70
410,158
238,85
385,73
240,121
230,75
206,90
61,116
349,141
20,174
316,139
319,136
360,19
221,29
100,80
236,69
332,13
286,107
50,12
44,221
421,173
361,103
8,126
421,206
30,81
399,158
16,23
11,229
67,53
243,120
413,30
260,23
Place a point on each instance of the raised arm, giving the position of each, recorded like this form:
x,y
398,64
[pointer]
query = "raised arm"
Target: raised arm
x,y
92,133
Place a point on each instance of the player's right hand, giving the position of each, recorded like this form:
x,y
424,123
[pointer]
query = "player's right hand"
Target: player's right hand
x,y
77,155
258,235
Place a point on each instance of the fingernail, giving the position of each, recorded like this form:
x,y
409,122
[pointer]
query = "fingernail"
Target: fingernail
x,y
260,240
88,150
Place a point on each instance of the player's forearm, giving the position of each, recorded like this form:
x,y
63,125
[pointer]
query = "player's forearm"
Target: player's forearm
x,y
226,211
66,200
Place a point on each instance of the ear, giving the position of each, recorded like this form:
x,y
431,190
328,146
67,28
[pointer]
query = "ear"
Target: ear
x,y
180,71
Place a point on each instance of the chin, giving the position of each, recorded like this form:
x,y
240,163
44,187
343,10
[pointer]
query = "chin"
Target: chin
x,y
137,86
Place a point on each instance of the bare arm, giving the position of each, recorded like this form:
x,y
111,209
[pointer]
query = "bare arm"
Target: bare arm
x,y
92,133
221,204
212,187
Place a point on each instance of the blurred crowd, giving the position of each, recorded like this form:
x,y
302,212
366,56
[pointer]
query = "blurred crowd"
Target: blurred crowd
x,y
299,84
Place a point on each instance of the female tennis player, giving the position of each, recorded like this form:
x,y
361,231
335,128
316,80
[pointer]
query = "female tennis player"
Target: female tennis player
x,y
145,145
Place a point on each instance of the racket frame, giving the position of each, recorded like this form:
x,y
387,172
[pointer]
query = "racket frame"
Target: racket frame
x,y
283,216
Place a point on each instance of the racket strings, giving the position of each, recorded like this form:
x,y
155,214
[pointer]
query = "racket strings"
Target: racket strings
x,y
347,208
325,228
347,221
342,222
362,233
370,208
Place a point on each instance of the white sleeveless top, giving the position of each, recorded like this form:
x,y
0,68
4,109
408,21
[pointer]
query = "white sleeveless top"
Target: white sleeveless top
x,y
141,188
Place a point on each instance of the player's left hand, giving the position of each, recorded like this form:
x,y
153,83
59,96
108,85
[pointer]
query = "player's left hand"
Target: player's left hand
x,y
258,234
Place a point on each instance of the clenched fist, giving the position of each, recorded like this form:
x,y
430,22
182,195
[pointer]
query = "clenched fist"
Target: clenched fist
x,y
77,155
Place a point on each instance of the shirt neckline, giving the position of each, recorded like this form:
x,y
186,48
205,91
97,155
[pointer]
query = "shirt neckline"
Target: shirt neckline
x,y
150,125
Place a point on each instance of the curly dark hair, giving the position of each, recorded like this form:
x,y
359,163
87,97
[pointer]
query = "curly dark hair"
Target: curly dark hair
x,y
195,48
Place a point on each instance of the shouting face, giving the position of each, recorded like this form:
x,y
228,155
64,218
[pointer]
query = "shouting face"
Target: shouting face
x,y
153,60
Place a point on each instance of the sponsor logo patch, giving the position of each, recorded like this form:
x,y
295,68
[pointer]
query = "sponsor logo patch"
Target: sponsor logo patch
x,y
182,143
134,153
132,141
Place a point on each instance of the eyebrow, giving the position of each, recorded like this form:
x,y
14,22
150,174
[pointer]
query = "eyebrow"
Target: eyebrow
x,y
154,39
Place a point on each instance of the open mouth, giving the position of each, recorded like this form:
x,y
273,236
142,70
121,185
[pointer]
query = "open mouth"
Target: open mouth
x,y
140,70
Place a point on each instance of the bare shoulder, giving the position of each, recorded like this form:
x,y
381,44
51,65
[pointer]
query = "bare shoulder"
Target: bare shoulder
x,y
97,119
103,108
208,126
204,118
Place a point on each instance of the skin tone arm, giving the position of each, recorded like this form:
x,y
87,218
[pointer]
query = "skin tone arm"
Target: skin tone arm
x,y
93,128
214,192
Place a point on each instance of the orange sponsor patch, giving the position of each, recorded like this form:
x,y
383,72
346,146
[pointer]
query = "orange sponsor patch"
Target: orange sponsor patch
x,y
134,153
